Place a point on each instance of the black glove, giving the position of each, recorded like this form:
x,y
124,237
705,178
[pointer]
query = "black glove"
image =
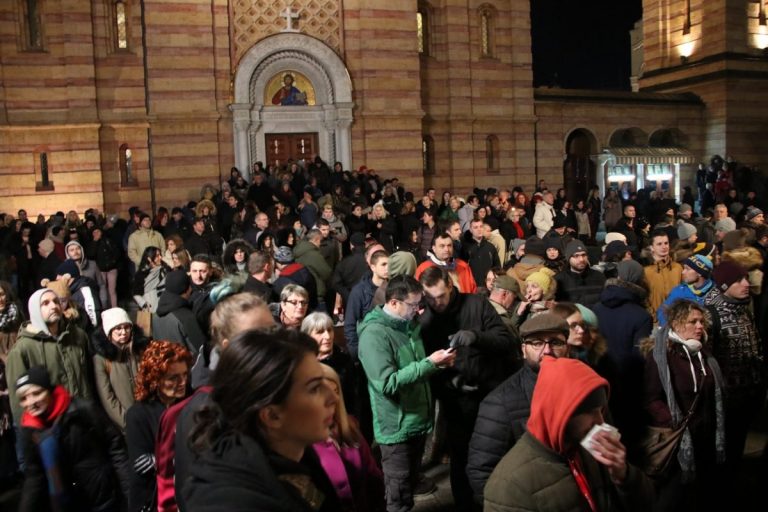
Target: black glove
x,y
463,339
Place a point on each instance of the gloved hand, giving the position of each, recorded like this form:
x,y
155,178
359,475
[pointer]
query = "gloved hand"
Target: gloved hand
x,y
463,339
144,463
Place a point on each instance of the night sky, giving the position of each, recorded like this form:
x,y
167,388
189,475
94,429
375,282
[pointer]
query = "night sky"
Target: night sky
x,y
583,44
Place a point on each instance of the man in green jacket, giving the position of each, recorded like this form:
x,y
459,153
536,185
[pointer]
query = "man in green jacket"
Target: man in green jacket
x,y
307,252
48,340
392,354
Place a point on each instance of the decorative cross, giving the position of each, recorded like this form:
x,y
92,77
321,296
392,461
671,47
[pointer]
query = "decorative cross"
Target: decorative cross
x,y
289,16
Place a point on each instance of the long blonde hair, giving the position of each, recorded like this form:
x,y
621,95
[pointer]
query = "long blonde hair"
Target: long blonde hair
x,y
349,433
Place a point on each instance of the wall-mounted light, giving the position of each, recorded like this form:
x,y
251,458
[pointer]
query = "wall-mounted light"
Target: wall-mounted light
x,y
685,50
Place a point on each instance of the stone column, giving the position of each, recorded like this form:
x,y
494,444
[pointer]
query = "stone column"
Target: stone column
x,y
242,121
344,134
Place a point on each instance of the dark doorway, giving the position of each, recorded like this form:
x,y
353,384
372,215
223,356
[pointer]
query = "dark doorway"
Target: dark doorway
x,y
579,171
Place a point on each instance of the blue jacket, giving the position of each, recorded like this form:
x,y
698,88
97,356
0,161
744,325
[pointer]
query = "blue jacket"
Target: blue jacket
x,y
683,291
358,305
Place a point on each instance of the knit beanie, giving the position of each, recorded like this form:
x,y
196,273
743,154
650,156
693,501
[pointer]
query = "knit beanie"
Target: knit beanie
x,y
685,230
534,246
574,247
685,208
554,242
614,236
68,267
542,278
705,249
402,262
589,316
284,255
725,225
113,317
35,376
177,281
701,264
753,212
727,273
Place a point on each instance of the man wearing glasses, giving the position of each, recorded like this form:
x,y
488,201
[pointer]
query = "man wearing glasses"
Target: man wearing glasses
x,y
504,413
392,354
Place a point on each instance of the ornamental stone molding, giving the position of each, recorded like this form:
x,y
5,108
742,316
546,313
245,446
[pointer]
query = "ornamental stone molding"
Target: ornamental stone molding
x,y
330,117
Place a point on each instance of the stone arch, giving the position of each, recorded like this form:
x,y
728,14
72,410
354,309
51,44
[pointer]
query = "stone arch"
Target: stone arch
x,y
628,137
667,138
579,168
330,117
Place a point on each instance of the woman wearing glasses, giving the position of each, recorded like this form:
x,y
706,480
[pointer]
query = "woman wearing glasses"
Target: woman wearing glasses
x,y
162,380
117,351
292,308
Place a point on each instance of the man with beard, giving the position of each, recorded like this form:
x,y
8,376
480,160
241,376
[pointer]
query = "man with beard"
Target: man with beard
x,y
578,283
485,356
504,412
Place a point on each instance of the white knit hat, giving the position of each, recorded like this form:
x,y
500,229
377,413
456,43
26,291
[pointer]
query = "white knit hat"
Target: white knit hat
x,y
111,318
614,236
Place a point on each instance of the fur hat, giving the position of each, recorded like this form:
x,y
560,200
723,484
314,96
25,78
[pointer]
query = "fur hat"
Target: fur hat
x,y
701,264
544,322
177,281
113,317
728,273
35,376
685,230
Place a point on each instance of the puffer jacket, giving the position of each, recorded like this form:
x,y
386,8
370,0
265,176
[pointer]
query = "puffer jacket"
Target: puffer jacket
x,y
115,372
500,424
582,288
64,356
392,354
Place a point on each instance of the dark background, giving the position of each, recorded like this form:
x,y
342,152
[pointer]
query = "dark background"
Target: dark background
x,y
582,44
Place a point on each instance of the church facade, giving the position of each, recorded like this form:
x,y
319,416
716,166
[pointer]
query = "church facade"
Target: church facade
x,y
113,103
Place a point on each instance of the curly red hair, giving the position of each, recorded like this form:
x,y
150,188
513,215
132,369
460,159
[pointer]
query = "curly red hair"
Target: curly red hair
x,y
155,361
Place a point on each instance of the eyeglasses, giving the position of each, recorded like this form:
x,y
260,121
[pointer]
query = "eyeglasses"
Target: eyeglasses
x,y
297,303
411,305
552,342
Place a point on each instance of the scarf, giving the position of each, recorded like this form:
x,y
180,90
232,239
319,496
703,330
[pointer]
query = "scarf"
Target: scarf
x,y
685,452
700,292
9,318
46,435
449,265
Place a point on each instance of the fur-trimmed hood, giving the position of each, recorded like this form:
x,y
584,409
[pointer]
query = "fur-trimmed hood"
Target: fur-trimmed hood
x,y
203,203
228,258
748,257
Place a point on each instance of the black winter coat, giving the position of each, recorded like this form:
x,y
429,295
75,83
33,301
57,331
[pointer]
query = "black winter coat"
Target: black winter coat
x,y
92,460
175,321
501,422
348,272
489,360
583,288
141,424
481,258
238,475
105,253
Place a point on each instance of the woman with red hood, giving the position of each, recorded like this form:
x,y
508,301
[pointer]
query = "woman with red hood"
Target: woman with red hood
x,y
549,470
75,458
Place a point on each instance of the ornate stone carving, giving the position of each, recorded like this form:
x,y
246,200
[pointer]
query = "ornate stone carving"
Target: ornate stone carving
x,y
253,20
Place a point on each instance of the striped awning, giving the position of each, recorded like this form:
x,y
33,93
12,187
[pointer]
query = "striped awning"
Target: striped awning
x,y
648,155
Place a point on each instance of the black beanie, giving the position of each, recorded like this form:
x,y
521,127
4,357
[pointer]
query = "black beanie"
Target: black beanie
x,y
68,267
35,376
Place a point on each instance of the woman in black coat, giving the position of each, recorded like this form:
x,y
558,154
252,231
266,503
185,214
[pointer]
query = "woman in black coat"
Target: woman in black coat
x,y
162,381
269,404
75,458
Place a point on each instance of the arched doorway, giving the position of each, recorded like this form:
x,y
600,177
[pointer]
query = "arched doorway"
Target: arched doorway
x,y
326,120
579,170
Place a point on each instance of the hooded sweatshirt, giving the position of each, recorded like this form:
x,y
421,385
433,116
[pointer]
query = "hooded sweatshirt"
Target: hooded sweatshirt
x,y
89,269
64,356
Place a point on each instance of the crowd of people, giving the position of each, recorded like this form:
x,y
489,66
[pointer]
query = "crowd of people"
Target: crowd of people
x,y
294,343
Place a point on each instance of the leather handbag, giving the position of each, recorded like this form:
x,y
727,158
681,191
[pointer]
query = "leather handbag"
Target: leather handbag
x,y
660,444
